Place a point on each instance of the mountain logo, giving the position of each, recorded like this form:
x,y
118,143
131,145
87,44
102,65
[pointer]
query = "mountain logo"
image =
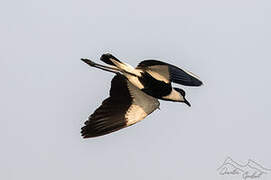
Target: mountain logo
x,y
250,170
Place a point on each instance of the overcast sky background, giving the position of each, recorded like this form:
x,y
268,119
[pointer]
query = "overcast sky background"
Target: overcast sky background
x,y
47,93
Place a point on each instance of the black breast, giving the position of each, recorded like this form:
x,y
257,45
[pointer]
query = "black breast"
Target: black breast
x,y
154,87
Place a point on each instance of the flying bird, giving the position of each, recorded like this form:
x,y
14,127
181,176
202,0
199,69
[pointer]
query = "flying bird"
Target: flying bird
x,y
134,93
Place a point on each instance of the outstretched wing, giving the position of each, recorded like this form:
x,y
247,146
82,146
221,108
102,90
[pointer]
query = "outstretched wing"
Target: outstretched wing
x,y
169,73
126,105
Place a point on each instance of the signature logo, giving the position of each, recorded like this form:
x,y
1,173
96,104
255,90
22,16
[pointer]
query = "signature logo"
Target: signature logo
x,y
250,170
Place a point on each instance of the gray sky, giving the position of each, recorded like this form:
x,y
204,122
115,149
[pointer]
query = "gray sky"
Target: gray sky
x,y
47,92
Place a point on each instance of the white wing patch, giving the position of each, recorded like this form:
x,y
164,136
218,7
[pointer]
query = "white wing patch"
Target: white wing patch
x,y
142,105
129,69
126,67
134,80
159,72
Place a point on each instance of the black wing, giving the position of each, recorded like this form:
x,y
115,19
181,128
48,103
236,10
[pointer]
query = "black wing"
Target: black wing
x,y
110,116
170,72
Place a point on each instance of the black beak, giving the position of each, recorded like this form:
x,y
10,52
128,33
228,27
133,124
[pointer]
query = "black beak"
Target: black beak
x,y
186,102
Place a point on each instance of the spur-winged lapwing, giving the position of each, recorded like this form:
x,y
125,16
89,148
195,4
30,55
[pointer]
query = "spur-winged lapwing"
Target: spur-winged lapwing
x,y
135,92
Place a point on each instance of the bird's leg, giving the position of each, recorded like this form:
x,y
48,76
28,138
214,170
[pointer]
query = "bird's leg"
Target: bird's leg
x,y
105,68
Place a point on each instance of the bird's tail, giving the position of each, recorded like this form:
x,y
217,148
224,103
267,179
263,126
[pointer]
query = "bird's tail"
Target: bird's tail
x,y
113,61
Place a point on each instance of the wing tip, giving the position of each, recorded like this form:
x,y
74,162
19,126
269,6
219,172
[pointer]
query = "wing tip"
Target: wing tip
x,y
106,58
88,61
94,130
198,82
88,132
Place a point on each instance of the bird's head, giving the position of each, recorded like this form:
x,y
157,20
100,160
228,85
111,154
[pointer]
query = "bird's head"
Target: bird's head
x,y
182,96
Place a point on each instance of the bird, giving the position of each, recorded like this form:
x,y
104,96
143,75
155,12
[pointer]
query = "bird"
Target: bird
x,y
135,92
